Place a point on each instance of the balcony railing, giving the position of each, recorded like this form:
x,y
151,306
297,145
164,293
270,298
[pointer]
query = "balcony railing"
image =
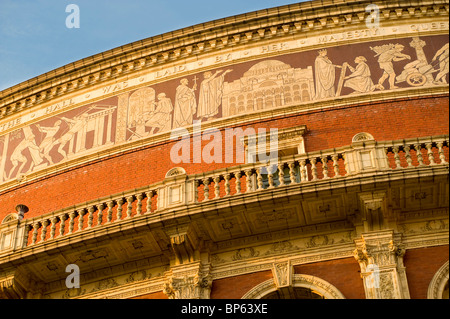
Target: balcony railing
x,y
364,157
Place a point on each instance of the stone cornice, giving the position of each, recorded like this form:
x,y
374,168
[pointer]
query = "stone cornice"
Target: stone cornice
x,y
244,29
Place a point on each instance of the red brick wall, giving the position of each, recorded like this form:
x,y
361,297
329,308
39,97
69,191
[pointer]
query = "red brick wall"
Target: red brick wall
x,y
344,274
328,128
236,287
421,266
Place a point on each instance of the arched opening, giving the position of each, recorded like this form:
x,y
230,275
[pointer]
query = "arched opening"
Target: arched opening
x,y
302,287
294,293
438,288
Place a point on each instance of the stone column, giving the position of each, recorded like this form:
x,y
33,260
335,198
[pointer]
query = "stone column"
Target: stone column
x,y
380,256
189,275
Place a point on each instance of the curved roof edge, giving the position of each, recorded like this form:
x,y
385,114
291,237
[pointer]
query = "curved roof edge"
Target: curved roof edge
x,y
197,39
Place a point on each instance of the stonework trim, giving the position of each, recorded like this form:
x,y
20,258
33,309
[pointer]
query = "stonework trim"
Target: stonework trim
x,y
438,282
324,288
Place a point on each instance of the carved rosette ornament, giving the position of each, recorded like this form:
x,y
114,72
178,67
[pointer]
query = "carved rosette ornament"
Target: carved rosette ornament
x,y
380,256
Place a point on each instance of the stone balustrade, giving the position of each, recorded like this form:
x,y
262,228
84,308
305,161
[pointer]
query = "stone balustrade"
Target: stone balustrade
x,y
364,157
256,177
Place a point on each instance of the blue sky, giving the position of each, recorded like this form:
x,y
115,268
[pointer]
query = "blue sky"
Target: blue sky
x,y
34,38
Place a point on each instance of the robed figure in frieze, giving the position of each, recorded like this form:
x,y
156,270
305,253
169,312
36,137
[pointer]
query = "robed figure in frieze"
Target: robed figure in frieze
x,y
185,104
211,91
325,75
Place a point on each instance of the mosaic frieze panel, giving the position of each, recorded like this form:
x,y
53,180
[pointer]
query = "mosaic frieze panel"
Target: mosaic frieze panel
x,y
249,87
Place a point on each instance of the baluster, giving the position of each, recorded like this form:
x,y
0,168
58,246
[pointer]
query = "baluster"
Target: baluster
x,y
130,200
303,171
26,234
430,154
395,150
206,189
237,176
196,186
346,164
62,226
139,197
314,169
72,221
120,202
44,230
149,196
100,208
325,167
418,148
110,212
259,179
216,187
292,172
336,166
91,211
35,232
227,184
54,221
440,146
156,194
81,213
408,155
281,174
270,171
248,181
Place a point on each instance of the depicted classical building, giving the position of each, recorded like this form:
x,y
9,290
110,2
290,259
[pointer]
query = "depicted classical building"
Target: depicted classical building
x,y
144,171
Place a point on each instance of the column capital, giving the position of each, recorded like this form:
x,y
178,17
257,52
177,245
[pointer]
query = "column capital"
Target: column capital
x,y
380,256
192,281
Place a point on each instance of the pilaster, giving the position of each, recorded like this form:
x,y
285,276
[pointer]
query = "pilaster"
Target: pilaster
x,y
380,256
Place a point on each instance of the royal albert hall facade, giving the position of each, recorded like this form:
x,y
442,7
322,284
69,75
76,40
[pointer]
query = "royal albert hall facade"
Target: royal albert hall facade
x,y
137,165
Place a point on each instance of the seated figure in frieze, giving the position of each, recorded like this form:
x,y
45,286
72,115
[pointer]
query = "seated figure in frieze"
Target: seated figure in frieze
x,y
161,118
360,80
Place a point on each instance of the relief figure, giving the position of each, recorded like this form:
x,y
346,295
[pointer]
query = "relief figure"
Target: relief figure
x,y
387,54
360,80
161,117
325,76
47,143
442,57
185,104
18,158
76,125
211,90
141,102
